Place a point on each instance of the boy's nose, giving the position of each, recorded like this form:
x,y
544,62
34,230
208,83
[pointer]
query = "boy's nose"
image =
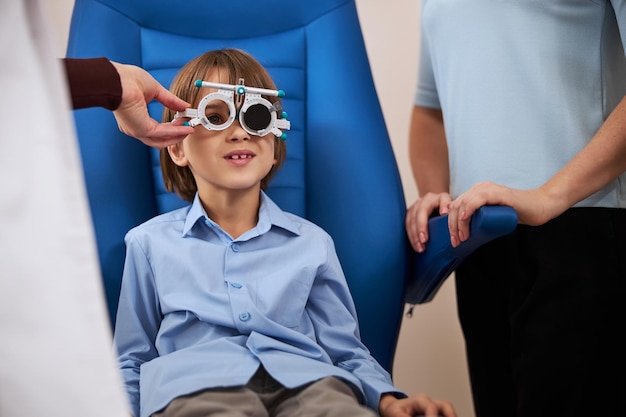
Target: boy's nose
x,y
238,133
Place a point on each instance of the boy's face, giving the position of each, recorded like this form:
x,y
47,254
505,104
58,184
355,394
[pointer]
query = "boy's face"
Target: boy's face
x,y
224,160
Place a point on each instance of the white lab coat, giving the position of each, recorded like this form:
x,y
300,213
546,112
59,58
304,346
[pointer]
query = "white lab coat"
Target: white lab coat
x,y
56,355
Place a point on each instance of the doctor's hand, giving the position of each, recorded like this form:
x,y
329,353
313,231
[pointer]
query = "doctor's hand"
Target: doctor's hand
x,y
138,89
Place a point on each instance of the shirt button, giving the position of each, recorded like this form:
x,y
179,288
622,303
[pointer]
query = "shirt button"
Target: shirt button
x,y
244,316
236,285
235,247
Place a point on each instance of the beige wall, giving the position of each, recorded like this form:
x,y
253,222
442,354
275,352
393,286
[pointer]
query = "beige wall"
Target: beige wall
x,y
430,356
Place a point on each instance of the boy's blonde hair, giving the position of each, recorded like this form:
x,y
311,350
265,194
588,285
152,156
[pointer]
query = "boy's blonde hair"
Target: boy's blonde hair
x,y
237,64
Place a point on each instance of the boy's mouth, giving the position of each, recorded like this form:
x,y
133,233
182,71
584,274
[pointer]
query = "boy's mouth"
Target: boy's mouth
x,y
239,156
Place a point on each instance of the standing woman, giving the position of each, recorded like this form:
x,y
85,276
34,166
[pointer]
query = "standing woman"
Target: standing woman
x,y
509,92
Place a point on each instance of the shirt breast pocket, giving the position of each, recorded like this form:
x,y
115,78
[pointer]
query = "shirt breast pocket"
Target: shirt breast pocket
x,y
284,301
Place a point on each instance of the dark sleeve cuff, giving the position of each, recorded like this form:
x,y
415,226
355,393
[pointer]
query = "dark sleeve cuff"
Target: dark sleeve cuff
x,y
93,82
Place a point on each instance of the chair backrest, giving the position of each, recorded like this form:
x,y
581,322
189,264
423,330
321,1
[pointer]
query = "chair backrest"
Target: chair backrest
x,y
340,172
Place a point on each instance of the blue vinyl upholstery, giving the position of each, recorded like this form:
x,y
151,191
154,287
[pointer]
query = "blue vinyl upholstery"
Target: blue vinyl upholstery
x,y
433,266
340,172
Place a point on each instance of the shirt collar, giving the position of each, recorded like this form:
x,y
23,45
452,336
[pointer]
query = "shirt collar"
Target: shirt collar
x,y
269,215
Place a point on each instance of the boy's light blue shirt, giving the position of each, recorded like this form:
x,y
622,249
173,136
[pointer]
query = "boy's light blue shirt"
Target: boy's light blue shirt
x,y
199,309
523,85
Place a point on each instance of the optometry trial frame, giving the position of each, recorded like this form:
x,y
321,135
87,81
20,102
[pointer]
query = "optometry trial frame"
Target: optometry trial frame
x,y
256,115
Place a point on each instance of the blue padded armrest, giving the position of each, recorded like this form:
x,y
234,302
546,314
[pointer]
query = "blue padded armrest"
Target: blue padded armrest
x,y
440,259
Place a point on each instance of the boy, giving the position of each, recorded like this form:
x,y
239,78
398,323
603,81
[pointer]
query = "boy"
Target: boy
x,y
232,306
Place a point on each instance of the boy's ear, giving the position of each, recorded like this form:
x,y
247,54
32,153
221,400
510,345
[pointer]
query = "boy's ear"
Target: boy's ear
x,y
177,153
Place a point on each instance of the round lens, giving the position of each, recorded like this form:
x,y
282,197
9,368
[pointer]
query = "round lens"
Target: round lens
x,y
257,117
217,112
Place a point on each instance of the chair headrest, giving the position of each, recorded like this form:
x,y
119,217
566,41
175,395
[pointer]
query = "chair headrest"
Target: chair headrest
x,y
204,18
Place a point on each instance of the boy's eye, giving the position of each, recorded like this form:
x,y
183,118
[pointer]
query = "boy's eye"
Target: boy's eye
x,y
215,119
217,112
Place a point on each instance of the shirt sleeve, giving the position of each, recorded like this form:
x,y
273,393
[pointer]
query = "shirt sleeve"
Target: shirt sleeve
x,y
93,82
619,7
333,314
138,319
426,94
